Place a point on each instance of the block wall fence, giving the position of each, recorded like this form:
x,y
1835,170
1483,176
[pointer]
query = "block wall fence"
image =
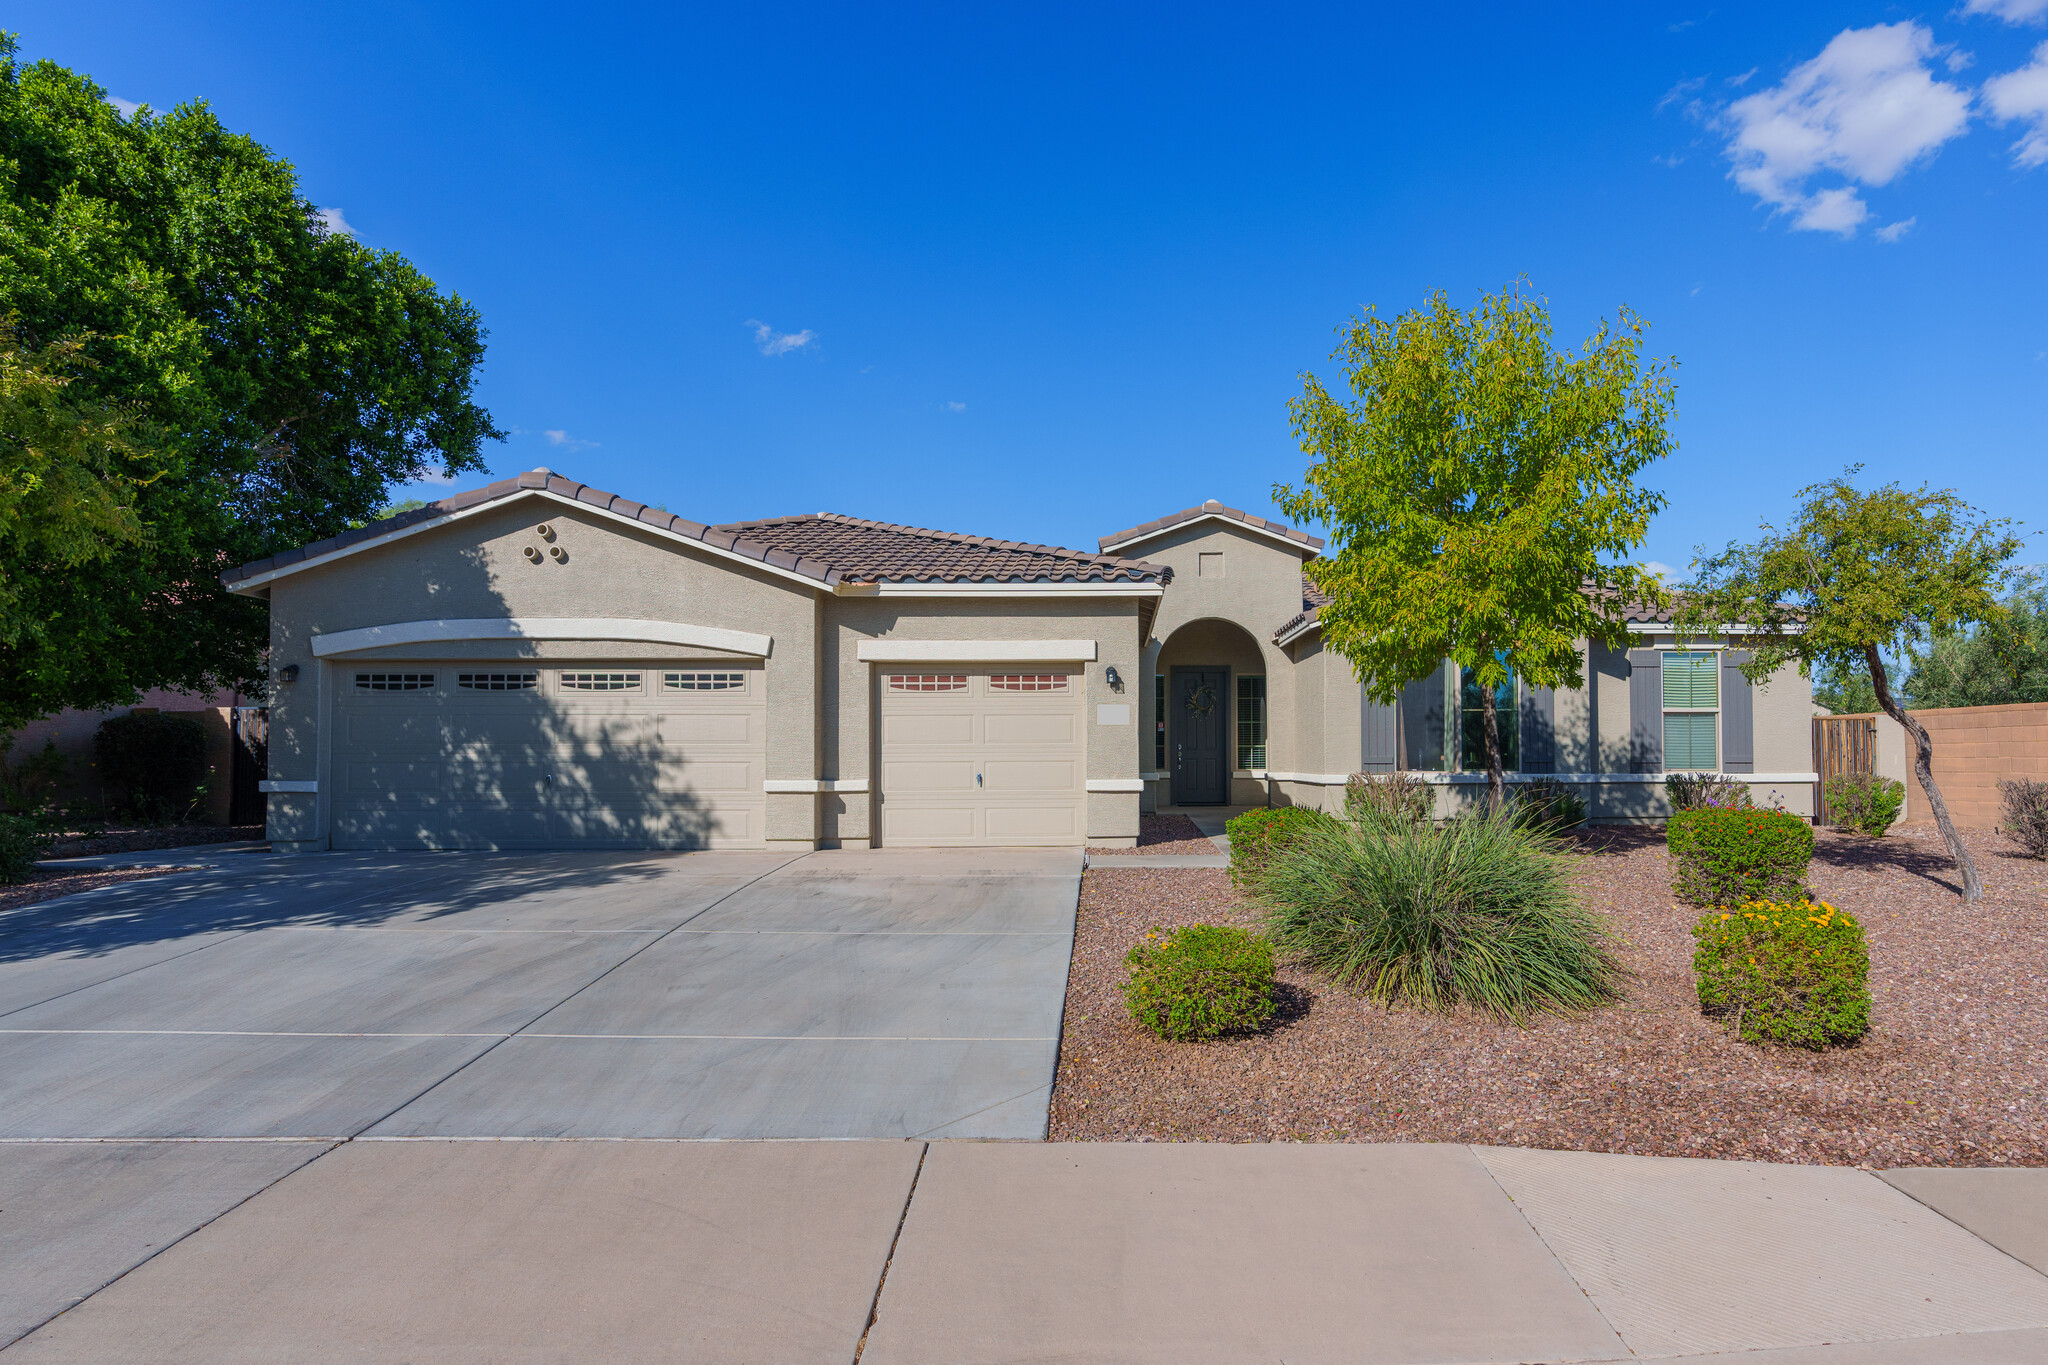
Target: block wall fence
x,y
1975,748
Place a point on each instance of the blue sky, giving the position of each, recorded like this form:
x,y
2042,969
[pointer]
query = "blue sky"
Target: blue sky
x,y
1048,271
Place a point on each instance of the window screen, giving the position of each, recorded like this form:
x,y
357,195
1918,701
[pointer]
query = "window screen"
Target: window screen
x,y
395,682
1251,722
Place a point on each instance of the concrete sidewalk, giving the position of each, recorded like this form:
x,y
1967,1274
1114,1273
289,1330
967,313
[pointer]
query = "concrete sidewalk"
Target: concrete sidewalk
x,y
889,1253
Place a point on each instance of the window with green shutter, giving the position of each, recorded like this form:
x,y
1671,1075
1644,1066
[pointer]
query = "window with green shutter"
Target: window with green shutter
x,y
1692,704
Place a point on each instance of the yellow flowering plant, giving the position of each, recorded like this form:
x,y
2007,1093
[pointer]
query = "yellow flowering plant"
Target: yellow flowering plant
x,y
1789,972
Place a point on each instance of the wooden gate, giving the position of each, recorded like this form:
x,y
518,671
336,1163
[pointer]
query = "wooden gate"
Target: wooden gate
x,y
1841,745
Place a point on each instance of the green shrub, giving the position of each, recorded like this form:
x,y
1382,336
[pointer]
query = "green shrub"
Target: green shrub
x,y
1548,805
1201,981
1865,802
1257,835
20,846
2025,814
1380,799
1794,972
1727,857
151,764
1478,910
27,783
1706,791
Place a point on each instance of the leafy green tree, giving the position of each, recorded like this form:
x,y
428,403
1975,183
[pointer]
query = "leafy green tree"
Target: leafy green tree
x,y
290,376
1845,689
1475,489
2002,661
1855,574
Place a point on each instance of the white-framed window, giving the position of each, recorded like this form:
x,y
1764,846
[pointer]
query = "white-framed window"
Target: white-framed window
x,y
1251,722
927,682
1692,710
525,681
394,682
1028,682
600,682
704,682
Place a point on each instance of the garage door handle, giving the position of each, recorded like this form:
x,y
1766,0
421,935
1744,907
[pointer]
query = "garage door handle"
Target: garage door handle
x,y
551,779
977,779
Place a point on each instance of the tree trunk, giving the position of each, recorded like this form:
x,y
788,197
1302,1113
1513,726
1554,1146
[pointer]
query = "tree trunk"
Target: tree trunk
x,y
1496,781
1923,766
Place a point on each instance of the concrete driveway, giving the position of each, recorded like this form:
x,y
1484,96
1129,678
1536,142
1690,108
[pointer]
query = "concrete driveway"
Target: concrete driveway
x,y
854,994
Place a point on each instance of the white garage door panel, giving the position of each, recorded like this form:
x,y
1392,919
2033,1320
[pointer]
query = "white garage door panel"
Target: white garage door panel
x,y
451,767
971,756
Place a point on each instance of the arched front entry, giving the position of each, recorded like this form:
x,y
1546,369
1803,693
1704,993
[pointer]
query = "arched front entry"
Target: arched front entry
x,y
1210,716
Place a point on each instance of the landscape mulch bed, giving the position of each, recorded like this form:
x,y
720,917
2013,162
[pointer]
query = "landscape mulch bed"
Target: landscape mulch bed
x,y
1164,834
89,844
44,884
1954,1071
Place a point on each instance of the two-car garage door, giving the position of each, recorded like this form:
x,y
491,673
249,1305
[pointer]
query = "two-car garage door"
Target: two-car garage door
x,y
982,756
523,755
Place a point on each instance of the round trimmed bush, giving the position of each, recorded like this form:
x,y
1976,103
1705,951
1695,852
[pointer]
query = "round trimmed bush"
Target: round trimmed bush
x,y
1795,973
1258,835
1865,802
1728,857
1478,910
1200,981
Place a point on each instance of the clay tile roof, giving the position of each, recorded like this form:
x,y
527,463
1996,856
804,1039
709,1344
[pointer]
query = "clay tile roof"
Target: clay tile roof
x,y
1211,508
831,549
881,552
1312,600
539,479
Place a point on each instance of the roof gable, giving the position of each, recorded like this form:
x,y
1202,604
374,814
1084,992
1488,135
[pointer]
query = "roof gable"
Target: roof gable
x,y
1309,546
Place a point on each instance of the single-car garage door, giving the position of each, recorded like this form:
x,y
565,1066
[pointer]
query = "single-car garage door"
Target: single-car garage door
x,y
520,755
977,756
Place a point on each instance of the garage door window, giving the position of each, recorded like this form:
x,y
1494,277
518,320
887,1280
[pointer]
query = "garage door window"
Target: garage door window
x,y
497,682
394,682
601,682
1028,682
704,682
927,682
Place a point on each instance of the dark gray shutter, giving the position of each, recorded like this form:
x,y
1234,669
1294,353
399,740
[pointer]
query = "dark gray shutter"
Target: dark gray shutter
x,y
1379,736
1539,729
1646,710
1738,726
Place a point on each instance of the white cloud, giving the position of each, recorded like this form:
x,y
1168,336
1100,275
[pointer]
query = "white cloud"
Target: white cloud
x,y
955,407
2022,97
1891,232
772,342
1865,109
2012,11
568,442
332,221
127,107
1743,79
1662,570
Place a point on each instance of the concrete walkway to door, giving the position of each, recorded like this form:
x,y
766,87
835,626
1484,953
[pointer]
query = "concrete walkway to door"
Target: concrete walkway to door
x,y
914,1253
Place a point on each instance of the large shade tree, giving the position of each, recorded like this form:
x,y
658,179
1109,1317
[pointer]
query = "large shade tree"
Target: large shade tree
x,y
236,376
1479,492
1852,576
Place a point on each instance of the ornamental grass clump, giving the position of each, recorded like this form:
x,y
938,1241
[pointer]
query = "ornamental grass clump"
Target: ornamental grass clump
x,y
1794,973
1548,805
1380,799
1478,911
1201,981
1257,835
1865,802
1726,857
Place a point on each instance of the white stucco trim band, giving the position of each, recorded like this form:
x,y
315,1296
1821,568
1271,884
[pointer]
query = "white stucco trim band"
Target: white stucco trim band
x,y
813,785
974,651
255,581
288,784
541,628
1116,784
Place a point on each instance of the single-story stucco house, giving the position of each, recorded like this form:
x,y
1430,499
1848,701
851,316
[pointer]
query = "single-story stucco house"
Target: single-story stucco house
x,y
539,664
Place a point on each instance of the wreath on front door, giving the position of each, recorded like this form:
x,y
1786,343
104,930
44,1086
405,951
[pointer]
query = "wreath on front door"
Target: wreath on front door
x,y
1201,699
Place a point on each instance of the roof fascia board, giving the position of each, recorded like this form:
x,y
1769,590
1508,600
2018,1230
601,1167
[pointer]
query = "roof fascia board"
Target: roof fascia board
x,y
546,495
540,628
1737,630
1000,589
1307,552
974,651
1304,628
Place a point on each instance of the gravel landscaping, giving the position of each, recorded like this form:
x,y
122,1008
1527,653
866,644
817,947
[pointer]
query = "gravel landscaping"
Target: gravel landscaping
x,y
44,884
93,843
1165,835
1954,1071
